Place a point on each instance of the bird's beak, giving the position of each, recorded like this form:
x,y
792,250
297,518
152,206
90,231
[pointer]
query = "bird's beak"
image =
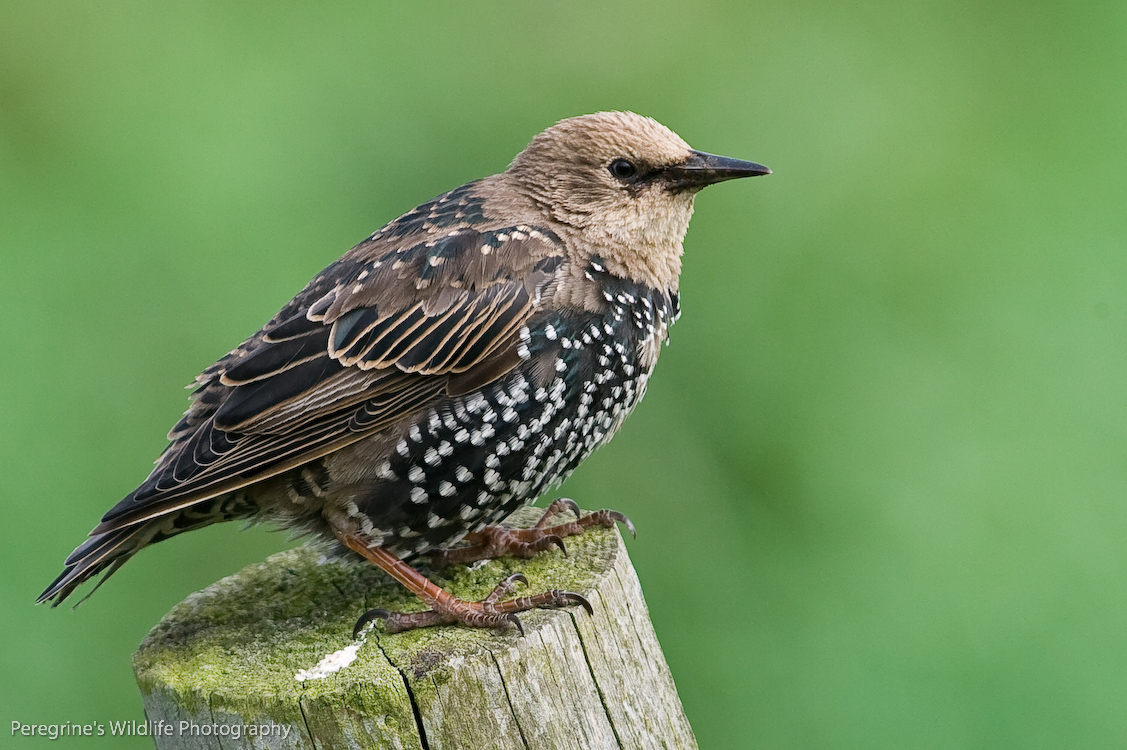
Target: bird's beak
x,y
702,169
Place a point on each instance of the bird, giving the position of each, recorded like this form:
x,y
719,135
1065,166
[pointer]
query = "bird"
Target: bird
x,y
456,364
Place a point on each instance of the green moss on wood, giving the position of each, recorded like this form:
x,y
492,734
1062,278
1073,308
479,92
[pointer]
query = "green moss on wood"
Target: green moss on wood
x,y
236,646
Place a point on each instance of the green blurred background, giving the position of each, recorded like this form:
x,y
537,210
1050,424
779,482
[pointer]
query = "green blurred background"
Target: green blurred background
x,y
879,478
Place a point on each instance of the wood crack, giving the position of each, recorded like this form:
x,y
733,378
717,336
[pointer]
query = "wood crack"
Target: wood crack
x,y
595,679
410,695
509,698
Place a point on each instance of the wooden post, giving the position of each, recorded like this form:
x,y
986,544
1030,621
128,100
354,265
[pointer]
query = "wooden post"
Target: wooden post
x,y
222,669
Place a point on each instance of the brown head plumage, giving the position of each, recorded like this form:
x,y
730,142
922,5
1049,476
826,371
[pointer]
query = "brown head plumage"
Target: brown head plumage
x,y
623,186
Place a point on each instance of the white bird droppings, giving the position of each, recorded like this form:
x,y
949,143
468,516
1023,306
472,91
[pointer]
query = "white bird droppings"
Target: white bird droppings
x,y
334,662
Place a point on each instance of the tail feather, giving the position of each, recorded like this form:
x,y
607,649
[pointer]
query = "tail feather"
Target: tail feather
x,y
101,552
106,551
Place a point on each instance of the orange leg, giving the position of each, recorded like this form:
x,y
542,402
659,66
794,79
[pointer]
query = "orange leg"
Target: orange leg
x,y
445,607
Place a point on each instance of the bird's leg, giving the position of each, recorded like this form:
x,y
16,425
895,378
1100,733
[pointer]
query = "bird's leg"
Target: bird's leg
x,y
445,607
495,541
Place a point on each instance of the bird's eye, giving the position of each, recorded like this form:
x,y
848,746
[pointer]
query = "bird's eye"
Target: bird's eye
x,y
622,169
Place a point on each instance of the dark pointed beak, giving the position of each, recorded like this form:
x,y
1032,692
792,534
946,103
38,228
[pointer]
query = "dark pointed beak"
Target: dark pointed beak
x,y
702,169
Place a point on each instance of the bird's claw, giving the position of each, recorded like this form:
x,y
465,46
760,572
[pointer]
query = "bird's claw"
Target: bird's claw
x,y
487,613
369,616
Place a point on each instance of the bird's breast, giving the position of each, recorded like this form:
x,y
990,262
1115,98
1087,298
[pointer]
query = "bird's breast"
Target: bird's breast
x,y
471,460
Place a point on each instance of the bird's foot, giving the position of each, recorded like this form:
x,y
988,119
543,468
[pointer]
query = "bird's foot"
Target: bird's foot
x,y
495,541
488,613
490,542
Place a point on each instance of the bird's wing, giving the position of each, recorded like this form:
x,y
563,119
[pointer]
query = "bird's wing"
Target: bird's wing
x,y
395,324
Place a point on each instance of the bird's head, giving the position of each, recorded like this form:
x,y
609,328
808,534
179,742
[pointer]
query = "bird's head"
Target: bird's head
x,y
626,183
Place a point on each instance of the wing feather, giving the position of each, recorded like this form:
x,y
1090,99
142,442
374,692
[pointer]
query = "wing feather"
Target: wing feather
x,y
277,357
388,329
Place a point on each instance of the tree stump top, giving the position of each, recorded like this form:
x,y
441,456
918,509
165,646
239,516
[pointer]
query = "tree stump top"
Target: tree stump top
x,y
230,655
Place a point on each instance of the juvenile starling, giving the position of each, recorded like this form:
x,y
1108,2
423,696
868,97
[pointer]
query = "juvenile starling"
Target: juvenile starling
x,y
458,363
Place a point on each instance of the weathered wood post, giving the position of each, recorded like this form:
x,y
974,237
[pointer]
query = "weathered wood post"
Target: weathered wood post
x,y
223,669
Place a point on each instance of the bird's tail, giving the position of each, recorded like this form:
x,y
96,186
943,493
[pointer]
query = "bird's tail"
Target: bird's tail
x,y
110,549
101,552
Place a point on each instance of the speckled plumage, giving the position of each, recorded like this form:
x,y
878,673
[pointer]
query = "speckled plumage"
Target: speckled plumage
x,y
459,362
